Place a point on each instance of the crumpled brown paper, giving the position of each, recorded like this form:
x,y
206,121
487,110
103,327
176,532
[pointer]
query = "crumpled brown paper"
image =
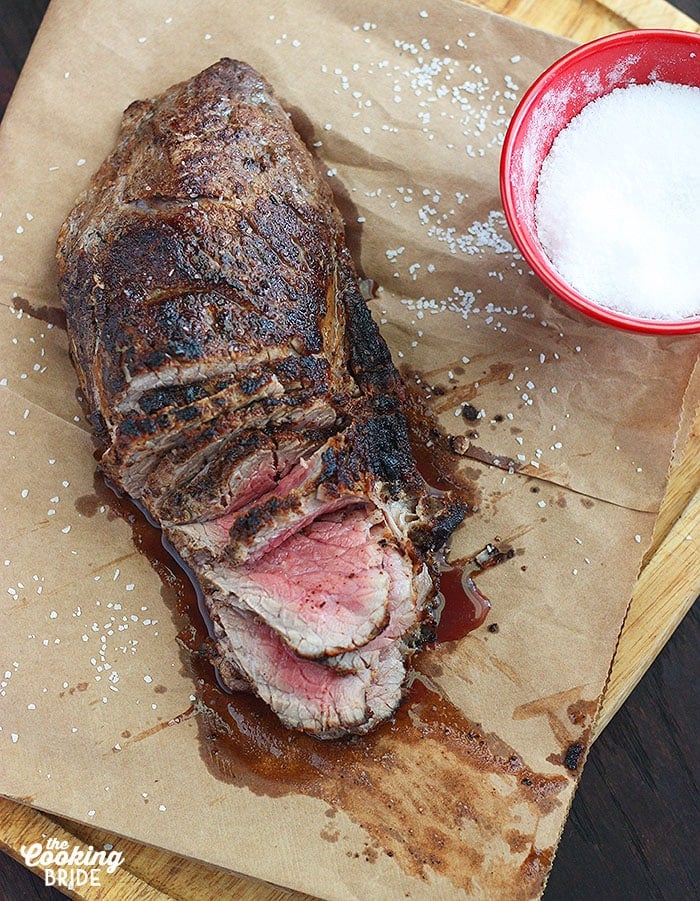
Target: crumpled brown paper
x,y
405,105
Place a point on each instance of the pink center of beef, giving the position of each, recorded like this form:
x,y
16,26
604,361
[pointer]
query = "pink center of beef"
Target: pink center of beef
x,y
330,572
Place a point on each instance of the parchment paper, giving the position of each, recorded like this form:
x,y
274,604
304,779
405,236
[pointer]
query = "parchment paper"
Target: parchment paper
x,y
405,105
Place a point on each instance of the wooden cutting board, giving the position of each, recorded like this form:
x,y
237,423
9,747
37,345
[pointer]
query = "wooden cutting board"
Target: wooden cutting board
x,y
667,586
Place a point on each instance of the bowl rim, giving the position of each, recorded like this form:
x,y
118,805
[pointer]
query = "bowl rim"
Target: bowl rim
x,y
532,251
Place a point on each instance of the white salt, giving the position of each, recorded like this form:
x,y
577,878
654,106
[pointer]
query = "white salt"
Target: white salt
x,y
618,202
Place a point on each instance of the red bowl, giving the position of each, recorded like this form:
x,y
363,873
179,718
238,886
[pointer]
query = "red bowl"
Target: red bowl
x,y
559,94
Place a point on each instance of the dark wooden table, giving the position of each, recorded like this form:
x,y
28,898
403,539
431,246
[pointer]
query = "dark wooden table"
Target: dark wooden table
x,y
633,830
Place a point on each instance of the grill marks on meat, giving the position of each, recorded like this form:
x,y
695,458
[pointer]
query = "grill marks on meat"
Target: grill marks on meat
x,y
241,390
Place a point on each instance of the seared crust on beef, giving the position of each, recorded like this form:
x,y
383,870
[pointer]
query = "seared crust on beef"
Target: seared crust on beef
x,y
241,389
206,242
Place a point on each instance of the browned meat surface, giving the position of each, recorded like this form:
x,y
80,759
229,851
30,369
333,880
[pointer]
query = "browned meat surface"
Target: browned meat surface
x,y
241,390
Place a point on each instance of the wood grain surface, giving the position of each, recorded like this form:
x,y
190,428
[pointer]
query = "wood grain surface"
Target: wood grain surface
x,y
631,832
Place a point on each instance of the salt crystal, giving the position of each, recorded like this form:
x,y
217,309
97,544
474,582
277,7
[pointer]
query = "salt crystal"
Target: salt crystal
x,y
618,203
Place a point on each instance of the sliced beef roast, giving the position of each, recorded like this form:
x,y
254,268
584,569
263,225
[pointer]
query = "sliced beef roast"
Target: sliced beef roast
x,y
242,392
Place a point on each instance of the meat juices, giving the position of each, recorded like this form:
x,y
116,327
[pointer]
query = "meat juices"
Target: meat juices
x,y
243,394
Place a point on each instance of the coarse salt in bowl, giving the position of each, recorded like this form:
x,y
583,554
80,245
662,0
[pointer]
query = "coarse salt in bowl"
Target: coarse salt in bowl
x,y
607,213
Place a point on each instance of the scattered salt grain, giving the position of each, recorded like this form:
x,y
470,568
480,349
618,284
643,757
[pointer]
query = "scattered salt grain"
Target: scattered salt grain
x,y
618,203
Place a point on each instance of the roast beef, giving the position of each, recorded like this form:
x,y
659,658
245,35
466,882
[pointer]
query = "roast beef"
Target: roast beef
x,y
242,393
